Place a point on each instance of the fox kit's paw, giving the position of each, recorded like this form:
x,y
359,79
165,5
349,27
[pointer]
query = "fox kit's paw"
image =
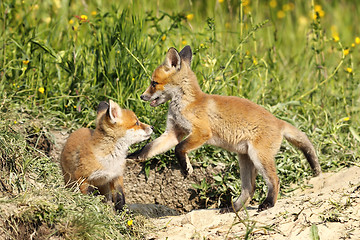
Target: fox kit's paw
x,y
185,165
265,205
136,156
226,210
119,202
188,171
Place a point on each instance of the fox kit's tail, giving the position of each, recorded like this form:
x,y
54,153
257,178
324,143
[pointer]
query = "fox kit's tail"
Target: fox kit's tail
x,y
301,141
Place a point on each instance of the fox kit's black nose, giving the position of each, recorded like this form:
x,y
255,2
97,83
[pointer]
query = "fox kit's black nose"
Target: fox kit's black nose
x,y
142,97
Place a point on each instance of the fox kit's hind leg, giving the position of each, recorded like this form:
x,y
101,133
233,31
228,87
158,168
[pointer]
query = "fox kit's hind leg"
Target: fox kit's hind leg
x,y
264,162
248,174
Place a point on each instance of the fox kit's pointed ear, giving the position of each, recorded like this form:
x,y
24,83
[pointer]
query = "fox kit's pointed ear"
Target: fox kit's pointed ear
x,y
186,54
101,110
172,59
114,112
102,107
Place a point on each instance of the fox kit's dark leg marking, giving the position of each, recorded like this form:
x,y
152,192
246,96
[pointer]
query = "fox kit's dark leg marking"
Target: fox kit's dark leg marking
x,y
264,162
117,193
248,174
196,139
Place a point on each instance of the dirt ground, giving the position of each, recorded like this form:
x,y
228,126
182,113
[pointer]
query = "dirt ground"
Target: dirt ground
x,y
329,207
332,204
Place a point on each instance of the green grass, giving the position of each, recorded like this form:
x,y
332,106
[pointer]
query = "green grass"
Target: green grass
x,y
295,66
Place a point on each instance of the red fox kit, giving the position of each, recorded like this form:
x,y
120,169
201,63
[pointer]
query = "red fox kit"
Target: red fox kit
x,y
97,157
235,124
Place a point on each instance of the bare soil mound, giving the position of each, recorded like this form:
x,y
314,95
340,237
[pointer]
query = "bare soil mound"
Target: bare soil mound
x,y
329,209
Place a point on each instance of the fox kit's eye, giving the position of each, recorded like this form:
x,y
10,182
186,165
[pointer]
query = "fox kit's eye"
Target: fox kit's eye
x,y
153,83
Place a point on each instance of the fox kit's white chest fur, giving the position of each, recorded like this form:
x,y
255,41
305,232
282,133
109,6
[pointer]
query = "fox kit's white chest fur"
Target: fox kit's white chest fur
x,y
175,115
113,164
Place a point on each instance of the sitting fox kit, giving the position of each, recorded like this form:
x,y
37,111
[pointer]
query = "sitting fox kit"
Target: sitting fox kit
x,y
96,158
235,124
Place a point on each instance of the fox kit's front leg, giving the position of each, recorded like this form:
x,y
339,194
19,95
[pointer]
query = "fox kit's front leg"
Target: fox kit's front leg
x,y
117,193
166,141
196,139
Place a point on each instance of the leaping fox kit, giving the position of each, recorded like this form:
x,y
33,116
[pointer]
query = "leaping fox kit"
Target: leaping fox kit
x,y
97,157
233,123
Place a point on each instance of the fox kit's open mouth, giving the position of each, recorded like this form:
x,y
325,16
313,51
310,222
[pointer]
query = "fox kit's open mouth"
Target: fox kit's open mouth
x,y
154,102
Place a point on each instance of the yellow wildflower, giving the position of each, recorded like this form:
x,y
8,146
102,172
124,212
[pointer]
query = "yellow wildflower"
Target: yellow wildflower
x,y
93,13
357,40
317,8
247,9
183,42
273,3
202,45
291,6
280,14
190,16
41,90
286,7
353,45
163,37
83,18
71,22
318,12
255,62
303,21
26,62
345,119
220,1
346,51
74,106
47,20
336,37
130,223
349,70
15,122
245,2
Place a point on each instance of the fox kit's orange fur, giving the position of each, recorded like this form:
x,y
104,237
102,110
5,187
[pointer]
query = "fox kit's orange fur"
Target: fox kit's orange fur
x,y
232,123
96,158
